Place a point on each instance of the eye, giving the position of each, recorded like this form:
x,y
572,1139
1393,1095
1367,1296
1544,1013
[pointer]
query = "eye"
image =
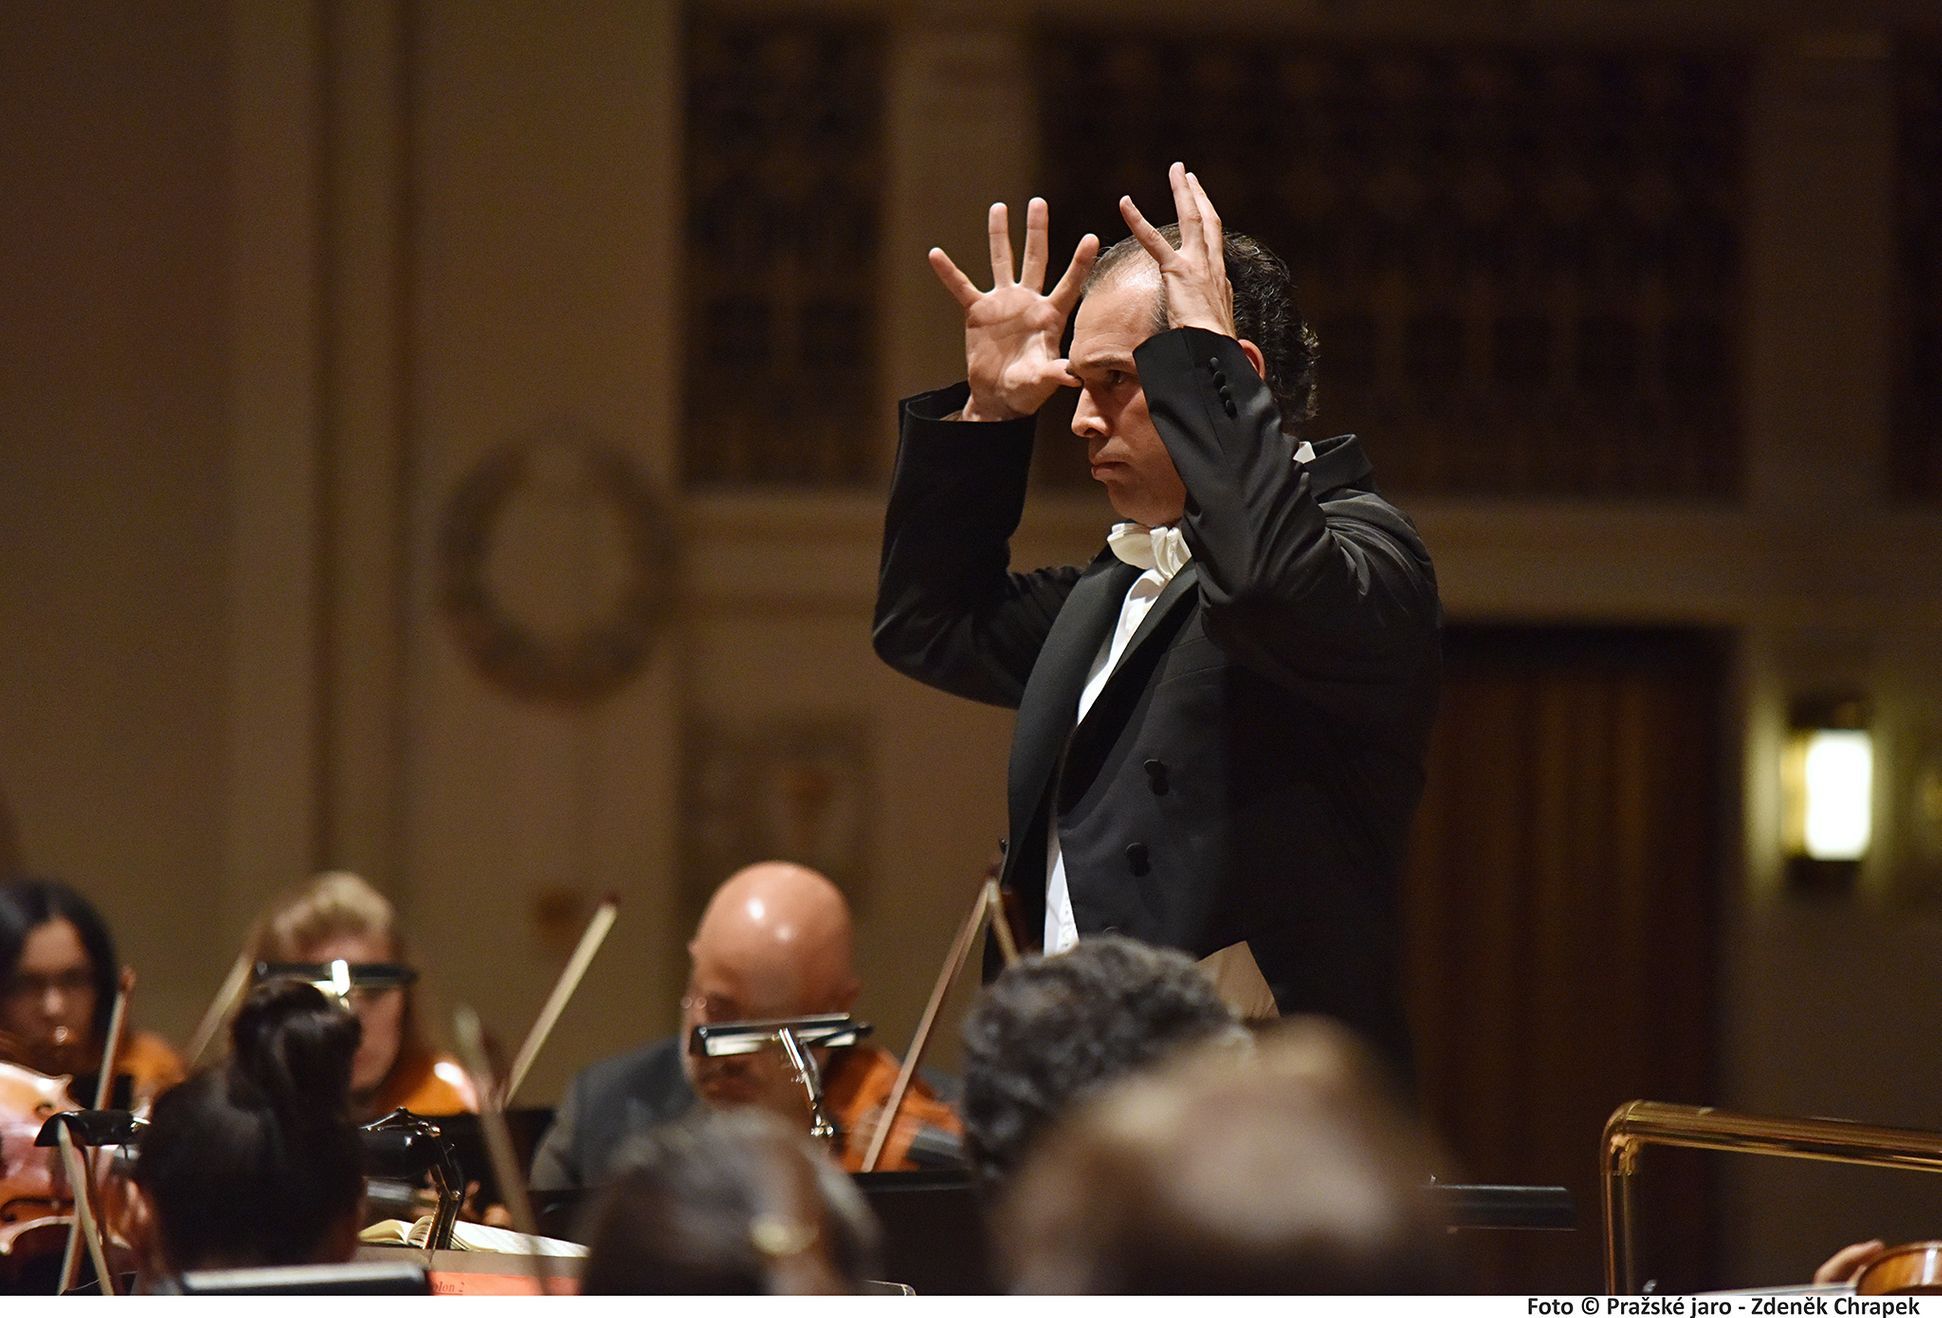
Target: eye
x,y
1116,379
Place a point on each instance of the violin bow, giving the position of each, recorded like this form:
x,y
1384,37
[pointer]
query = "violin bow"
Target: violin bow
x,y
513,1192
111,1046
987,910
219,1008
563,990
82,1165
994,905
86,1225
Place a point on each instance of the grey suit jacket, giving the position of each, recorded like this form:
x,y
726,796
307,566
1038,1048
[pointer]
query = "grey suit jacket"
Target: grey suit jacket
x,y
605,1105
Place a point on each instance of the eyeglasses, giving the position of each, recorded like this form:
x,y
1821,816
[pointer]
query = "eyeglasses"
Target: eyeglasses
x,y
709,1007
70,983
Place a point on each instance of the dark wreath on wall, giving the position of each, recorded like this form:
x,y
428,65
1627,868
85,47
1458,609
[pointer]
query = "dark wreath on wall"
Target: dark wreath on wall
x,y
529,659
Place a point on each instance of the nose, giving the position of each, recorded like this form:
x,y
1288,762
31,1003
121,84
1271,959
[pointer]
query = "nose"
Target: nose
x,y
53,1002
1088,422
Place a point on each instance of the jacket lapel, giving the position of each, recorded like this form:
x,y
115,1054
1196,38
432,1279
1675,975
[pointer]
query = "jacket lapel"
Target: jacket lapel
x,y
1133,671
1178,593
1051,699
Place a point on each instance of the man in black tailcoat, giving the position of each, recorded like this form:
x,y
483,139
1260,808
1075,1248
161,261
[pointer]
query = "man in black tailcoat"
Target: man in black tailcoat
x,y
1222,719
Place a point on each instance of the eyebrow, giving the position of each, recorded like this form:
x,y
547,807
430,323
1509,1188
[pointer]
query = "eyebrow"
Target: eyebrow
x,y
1106,361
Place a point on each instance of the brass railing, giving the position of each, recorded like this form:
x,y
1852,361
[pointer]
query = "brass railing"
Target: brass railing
x,y
1675,1125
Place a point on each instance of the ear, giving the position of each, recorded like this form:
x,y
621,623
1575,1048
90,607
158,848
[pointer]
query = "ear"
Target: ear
x,y
1254,358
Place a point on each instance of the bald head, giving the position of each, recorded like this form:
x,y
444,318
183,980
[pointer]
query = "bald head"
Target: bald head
x,y
775,941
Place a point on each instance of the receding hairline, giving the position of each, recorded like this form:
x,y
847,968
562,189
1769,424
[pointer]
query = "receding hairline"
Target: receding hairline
x,y
1138,269
1120,264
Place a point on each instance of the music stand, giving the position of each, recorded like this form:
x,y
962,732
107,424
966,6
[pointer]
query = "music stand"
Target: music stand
x,y
312,1279
795,1035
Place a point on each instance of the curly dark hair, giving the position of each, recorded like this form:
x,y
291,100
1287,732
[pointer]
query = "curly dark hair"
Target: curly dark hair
x,y
1051,1030
1266,314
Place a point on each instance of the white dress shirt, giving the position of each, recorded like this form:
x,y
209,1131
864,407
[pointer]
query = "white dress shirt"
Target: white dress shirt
x,y
1162,551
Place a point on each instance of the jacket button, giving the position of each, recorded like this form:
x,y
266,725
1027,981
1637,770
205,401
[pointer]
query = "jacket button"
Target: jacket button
x,y
1156,775
1136,859
1220,378
1229,406
1213,364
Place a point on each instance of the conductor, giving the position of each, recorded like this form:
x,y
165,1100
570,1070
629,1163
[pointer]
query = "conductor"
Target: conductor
x,y
1222,719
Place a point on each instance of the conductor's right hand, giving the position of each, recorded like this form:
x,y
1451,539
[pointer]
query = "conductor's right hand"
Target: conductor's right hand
x,y
1011,334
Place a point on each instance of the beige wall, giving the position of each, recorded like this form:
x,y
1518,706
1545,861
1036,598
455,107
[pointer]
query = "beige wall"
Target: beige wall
x,y
115,462
277,275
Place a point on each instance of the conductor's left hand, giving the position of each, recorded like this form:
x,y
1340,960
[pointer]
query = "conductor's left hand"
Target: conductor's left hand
x,y
1194,273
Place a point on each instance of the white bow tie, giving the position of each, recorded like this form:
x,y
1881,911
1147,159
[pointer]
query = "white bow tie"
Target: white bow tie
x,y
1163,547
1147,548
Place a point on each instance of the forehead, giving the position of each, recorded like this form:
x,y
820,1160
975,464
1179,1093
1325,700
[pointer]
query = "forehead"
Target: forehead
x,y
350,947
740,970
53,946
1117,315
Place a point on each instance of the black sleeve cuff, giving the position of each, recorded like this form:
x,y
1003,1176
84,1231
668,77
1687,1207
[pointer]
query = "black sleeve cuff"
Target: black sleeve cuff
x,y
937,404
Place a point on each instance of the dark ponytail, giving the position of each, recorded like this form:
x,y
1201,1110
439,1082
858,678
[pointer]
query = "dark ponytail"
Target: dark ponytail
x,y
296,1048
258,1163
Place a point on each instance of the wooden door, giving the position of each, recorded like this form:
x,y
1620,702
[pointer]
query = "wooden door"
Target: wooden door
x,y
1562,914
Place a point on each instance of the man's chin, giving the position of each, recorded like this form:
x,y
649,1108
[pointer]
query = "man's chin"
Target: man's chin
x,y
1116,492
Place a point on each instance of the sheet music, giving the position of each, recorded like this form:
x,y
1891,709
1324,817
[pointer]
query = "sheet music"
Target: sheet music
x,y
1237,977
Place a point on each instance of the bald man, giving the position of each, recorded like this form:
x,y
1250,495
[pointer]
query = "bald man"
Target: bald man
x,y
775,942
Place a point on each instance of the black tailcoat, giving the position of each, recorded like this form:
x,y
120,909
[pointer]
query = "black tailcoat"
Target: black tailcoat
x,y
1251,766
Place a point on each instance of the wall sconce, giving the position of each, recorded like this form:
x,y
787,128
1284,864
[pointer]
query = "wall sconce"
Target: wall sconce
x,y
1827,782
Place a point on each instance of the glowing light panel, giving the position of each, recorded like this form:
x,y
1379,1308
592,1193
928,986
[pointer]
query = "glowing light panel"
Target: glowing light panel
x,y
1839,789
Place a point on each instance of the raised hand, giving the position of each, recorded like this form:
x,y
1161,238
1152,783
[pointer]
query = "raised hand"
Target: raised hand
x,y
1011,334
1195,273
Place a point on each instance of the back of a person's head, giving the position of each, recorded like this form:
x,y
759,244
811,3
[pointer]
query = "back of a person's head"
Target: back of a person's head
x,y
256,1162
1052,1029
729,1202
1290,1169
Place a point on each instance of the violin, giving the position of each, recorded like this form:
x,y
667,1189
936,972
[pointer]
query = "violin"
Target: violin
x,y
36,1204
1903,1270
924,1132
38,1216
30,1184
